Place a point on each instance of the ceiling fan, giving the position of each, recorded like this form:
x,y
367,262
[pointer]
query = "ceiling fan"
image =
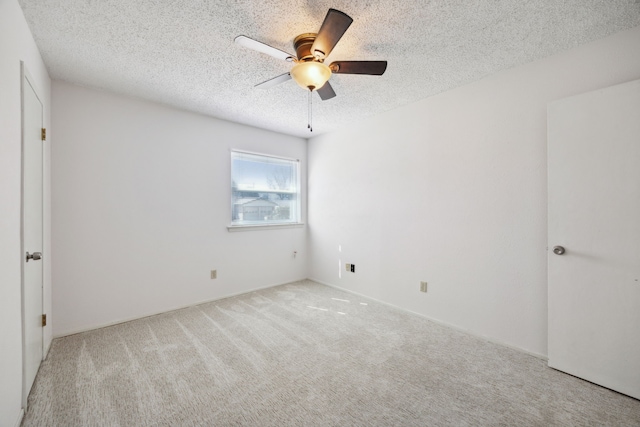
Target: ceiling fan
x,y
310,72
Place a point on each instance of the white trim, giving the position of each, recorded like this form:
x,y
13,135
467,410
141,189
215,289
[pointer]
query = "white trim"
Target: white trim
x,y
233,150
20,417
248,227
23,394
129,319
46,350
439,322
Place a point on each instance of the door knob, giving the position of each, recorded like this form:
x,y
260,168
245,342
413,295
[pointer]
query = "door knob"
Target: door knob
x,y
34,256
558,250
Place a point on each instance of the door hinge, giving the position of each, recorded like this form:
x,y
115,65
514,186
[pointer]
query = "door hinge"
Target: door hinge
x,y
44,320
44,134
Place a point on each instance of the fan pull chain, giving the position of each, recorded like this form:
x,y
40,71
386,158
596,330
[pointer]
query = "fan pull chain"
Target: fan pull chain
x,y
310,113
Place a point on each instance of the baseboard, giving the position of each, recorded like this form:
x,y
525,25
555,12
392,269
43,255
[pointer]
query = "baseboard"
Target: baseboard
x,y
46,350
20,417
119,321
439,322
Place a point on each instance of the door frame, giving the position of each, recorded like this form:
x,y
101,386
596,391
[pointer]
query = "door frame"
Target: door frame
x,y
25,77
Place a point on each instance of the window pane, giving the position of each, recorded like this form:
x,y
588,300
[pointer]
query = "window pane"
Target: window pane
x,y
264,189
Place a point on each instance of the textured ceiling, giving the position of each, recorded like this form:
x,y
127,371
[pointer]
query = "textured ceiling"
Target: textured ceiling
x,y
182,53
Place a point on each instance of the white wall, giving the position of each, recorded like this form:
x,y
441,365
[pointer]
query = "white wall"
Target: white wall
x,y
452,190
141,202
16,44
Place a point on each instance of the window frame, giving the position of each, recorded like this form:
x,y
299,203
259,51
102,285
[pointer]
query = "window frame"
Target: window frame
x,y
255,225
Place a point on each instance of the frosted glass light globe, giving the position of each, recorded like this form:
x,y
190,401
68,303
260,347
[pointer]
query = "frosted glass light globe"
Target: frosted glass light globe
x,y
310,75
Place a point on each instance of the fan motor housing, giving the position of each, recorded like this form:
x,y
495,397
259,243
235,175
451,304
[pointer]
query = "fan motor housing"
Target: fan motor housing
x,y
303,44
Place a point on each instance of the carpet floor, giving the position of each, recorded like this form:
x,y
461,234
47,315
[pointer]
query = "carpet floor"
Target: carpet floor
x,y
305,354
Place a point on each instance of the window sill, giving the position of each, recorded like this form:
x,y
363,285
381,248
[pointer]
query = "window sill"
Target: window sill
x,y
249,227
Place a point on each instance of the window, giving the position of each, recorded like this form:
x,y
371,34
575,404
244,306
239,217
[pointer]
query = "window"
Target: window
x,y
265,189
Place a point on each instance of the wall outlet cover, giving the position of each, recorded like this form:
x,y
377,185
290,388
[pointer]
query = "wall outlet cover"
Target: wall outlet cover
x,y
214,274
423,286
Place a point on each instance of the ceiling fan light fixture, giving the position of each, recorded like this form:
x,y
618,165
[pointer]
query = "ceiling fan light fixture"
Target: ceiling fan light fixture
x,y
311,75
309,71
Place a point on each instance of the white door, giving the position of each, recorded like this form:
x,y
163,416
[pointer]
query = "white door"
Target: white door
x,y
31,232
594,213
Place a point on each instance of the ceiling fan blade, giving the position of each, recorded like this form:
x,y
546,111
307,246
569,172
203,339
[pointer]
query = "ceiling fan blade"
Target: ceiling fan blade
x,y
264,48
274,81
334,26
373,68
326,92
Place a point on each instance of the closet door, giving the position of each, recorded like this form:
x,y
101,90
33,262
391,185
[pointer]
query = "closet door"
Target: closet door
x,y
594,236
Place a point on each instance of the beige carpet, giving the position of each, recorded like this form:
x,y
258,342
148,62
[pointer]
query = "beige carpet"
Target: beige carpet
x,y
305,354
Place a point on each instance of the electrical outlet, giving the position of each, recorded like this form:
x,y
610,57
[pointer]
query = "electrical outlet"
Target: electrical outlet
x,y
214,274
423,286
353,268
348,267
